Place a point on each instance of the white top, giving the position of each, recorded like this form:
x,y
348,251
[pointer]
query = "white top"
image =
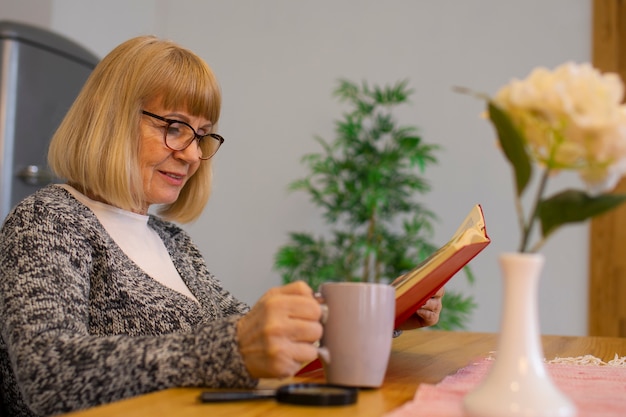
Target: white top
x,y
138,241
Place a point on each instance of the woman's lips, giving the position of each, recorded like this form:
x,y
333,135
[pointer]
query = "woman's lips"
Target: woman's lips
x,y
173,178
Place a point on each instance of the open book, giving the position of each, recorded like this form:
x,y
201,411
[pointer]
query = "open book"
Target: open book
x,y
415,287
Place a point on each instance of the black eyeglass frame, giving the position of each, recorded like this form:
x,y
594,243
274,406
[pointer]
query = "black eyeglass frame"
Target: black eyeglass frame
x,y
196,136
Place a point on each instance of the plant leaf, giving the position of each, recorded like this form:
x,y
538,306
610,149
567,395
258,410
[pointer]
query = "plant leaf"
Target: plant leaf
x,y
512,143
571,206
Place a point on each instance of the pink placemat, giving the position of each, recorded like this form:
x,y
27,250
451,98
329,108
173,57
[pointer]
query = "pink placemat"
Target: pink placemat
x,y
597,388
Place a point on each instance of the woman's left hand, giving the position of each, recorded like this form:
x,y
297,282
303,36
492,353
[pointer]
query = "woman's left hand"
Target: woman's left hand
x,y
426,316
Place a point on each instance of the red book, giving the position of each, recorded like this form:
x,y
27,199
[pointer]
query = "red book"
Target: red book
x,y
415,287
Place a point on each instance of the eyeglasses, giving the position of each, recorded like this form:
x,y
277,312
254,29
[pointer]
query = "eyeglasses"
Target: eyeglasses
x,y
178,135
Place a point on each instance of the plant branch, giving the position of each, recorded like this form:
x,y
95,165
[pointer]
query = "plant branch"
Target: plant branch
x,y
371,228
366,268
364,181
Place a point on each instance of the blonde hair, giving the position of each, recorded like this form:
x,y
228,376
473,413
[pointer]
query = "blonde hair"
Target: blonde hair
x,y
96,146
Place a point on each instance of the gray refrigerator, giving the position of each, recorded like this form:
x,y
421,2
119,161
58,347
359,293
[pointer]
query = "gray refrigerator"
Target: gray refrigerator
x,y
41,74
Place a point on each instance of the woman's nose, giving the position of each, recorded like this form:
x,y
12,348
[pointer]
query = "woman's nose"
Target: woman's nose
x,y
190,154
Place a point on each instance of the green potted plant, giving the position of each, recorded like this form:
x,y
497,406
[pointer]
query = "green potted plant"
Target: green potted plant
x,y
367,182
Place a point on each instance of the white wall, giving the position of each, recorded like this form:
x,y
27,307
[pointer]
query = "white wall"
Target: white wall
x,y
278,61
35,12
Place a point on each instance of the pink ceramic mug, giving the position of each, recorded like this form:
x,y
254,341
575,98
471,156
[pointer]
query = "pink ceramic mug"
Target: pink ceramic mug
x,y
358,329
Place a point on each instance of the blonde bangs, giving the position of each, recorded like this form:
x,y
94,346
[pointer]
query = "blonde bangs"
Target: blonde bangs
x,y
188,83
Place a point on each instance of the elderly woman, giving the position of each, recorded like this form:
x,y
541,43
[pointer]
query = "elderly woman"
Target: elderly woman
x,y
100,300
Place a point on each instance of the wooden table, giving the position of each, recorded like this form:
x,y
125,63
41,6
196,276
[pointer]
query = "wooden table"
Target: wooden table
x,y
418,356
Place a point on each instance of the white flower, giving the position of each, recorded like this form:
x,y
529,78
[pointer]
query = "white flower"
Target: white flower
x,y
571,118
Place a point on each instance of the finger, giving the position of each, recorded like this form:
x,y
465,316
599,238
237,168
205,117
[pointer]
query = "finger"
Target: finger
x,y
305,331
304,353
432,304
292,329
303,307
285,359
292,317
428,317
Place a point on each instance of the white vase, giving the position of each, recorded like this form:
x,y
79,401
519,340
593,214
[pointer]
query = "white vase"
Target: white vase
x,y
518,383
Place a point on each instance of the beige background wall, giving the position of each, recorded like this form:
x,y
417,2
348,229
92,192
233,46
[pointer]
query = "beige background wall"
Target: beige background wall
x,y
278,61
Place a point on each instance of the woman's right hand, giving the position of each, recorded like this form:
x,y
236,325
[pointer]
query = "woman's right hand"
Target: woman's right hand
x,y
276,338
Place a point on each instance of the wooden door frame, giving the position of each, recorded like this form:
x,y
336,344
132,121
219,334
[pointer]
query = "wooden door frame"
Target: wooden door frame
x,y
607,246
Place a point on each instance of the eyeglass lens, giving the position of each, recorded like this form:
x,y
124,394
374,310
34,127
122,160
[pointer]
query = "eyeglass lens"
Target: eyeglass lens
x,y
178,136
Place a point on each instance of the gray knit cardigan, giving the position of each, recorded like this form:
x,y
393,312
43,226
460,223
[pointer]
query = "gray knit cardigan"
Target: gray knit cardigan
x,y
82,324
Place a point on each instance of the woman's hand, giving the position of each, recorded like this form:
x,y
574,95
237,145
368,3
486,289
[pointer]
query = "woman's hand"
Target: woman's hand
x,y
426,316
276,337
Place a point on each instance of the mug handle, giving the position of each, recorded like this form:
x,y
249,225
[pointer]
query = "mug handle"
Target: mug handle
x,y
322,351
324,354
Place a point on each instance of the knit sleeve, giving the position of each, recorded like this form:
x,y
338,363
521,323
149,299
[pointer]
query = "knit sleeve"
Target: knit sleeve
x,y
46,260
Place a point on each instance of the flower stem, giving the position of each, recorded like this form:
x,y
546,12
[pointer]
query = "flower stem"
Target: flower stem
x,y
538,245
519,208
527,229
